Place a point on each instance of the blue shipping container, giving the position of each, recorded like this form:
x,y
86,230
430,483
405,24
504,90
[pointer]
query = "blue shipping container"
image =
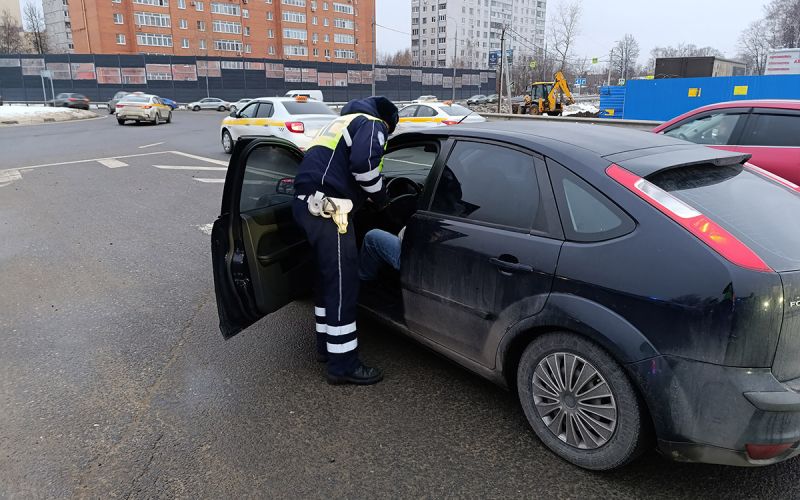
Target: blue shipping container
x,y
612,102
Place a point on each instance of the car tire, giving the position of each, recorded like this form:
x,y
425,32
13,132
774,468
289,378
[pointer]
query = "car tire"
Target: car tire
x,y
169,117
110,110
624,431
221,108
227,142
196,108
157,118
120,121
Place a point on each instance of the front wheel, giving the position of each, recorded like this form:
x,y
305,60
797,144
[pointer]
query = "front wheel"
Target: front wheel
x,y
221,108
120,121
580,403
157,119
196,108
227,142
169,117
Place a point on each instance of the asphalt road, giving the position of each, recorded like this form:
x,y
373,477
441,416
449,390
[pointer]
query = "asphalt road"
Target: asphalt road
x,y
115,382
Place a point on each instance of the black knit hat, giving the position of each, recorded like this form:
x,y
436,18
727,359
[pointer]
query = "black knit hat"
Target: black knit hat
x,y
387,111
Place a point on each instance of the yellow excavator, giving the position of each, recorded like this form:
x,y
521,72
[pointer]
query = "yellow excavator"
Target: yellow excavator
x,y
547,97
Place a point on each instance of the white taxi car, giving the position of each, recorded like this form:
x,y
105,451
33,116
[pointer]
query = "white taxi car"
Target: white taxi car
x,y
297,119
435,114
141,107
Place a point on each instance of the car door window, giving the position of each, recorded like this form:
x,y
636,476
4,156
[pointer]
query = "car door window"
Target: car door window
x,y
265,110
268,178
489,183
586,214
777,130
426,112
408,112
249,111
714,129
412,162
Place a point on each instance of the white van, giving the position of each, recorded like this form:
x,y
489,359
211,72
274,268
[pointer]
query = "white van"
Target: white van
x,y
311,94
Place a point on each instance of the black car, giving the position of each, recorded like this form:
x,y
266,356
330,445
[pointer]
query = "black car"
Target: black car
x,y
71,100
628,286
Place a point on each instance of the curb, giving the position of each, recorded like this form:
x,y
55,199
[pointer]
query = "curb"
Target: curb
x,y
45,121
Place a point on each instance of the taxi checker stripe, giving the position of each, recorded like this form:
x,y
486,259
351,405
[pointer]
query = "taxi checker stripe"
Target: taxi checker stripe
x,y
341,330
342,348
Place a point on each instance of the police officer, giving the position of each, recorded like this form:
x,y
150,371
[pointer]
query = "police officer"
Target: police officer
x,y
342,169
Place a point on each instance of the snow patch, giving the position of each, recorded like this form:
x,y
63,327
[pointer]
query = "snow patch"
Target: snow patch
x,y
583,109
40,114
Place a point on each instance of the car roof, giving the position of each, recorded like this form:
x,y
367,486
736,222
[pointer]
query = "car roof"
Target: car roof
x,y
755,103
139,94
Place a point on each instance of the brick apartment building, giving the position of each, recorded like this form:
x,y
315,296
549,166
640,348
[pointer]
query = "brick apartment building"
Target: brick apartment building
x,y
308,30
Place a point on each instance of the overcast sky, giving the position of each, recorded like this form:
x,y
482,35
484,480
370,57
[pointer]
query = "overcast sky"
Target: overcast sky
x,y
663,22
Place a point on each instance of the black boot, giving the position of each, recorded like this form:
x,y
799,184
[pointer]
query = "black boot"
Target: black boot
x,y
363,375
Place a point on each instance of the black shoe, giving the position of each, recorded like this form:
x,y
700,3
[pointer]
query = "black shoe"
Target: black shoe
x,y
322,357
363,375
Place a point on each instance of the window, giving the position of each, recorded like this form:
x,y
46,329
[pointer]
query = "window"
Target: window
x,y
225,9
325,21
157,3
343,8
408,111
490,184
314,38
151,19
314,20
228,45
120,39
308,108
295,50
199,6
117,18
295,34
777,130
315,52
201,25
185,43
296,3
226,27
249,111
271,50
344,54
154,40
413,163
324,5
264,110
426,111
340,38
327,38
715,128
294,17
269,16
184,24
270,33
245,13
346,24
181,4
248,49
262,188
586,214
202,46
247,31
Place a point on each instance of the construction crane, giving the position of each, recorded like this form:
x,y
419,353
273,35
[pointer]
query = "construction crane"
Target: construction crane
x,y
547,97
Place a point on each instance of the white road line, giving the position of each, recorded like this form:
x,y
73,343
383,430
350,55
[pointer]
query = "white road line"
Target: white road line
x,y
88,160
210,181
184,167
151,145
201,158
112,163
9,176
206,228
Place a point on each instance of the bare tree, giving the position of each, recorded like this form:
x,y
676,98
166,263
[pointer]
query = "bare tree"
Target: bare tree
x,y
682,50
35,26
564,29
10,35
399,58
624,56
782,18
754,46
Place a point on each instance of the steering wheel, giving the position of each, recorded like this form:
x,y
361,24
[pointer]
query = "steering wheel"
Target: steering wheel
x,y
399,205
396,182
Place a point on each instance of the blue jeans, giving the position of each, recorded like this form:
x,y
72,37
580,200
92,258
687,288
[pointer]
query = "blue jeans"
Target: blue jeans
x,y
378,249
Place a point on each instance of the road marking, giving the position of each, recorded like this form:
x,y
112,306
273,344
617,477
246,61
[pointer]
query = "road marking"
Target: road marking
x,y
201,158
205,228
9,176
151,145
112,163
88,160
210,181
183,167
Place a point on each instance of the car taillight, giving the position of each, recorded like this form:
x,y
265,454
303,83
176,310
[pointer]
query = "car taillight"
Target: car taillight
x,y
701,226
120,105
766,451
296,127
71,99
770,175
147,106
450,122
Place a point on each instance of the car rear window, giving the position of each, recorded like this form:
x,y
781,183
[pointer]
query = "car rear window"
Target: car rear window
x,y
455,110
135,99
761,213
307,108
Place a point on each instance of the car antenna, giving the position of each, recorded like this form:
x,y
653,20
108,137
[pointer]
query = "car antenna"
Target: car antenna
x,y
465,117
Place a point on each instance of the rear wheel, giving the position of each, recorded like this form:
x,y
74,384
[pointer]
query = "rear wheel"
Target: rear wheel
x,y
169,117
580,403
227,141
196,108
221,108
157,118
120,121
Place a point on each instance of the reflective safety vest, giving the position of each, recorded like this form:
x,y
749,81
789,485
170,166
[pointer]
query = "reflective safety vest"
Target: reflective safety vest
x,y
336,130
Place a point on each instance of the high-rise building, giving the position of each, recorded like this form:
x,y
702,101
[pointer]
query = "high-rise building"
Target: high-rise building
x,y
463,32
308,30
12,7
58,25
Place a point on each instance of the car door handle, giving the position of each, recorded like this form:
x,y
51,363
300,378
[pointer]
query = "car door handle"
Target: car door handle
x,y
511,267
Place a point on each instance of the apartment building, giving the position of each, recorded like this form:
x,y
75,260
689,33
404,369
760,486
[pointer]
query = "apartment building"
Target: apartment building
x,y
309,30
13,10
58,26
463,32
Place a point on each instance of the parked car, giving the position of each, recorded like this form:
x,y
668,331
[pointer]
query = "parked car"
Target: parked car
x,y
477,99
492,99
209,103
768,129
71,100
626,285
311,94
435,114
296,119
112,104
236,106
426,98
140,107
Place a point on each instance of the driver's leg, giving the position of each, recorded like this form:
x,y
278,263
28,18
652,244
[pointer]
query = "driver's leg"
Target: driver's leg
x,y
379,249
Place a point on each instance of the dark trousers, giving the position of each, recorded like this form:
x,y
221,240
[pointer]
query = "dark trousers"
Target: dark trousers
x,y
336,290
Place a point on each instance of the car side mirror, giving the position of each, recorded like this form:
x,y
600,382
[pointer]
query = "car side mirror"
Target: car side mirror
x,y
285,186
234,114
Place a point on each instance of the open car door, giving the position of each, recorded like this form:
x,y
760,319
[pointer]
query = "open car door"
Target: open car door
x,y
261,258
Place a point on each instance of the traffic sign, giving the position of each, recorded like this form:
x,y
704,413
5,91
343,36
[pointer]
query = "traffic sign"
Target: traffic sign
x,y
580,82
532,65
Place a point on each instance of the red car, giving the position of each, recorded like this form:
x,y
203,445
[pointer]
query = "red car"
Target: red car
x,y
768,129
